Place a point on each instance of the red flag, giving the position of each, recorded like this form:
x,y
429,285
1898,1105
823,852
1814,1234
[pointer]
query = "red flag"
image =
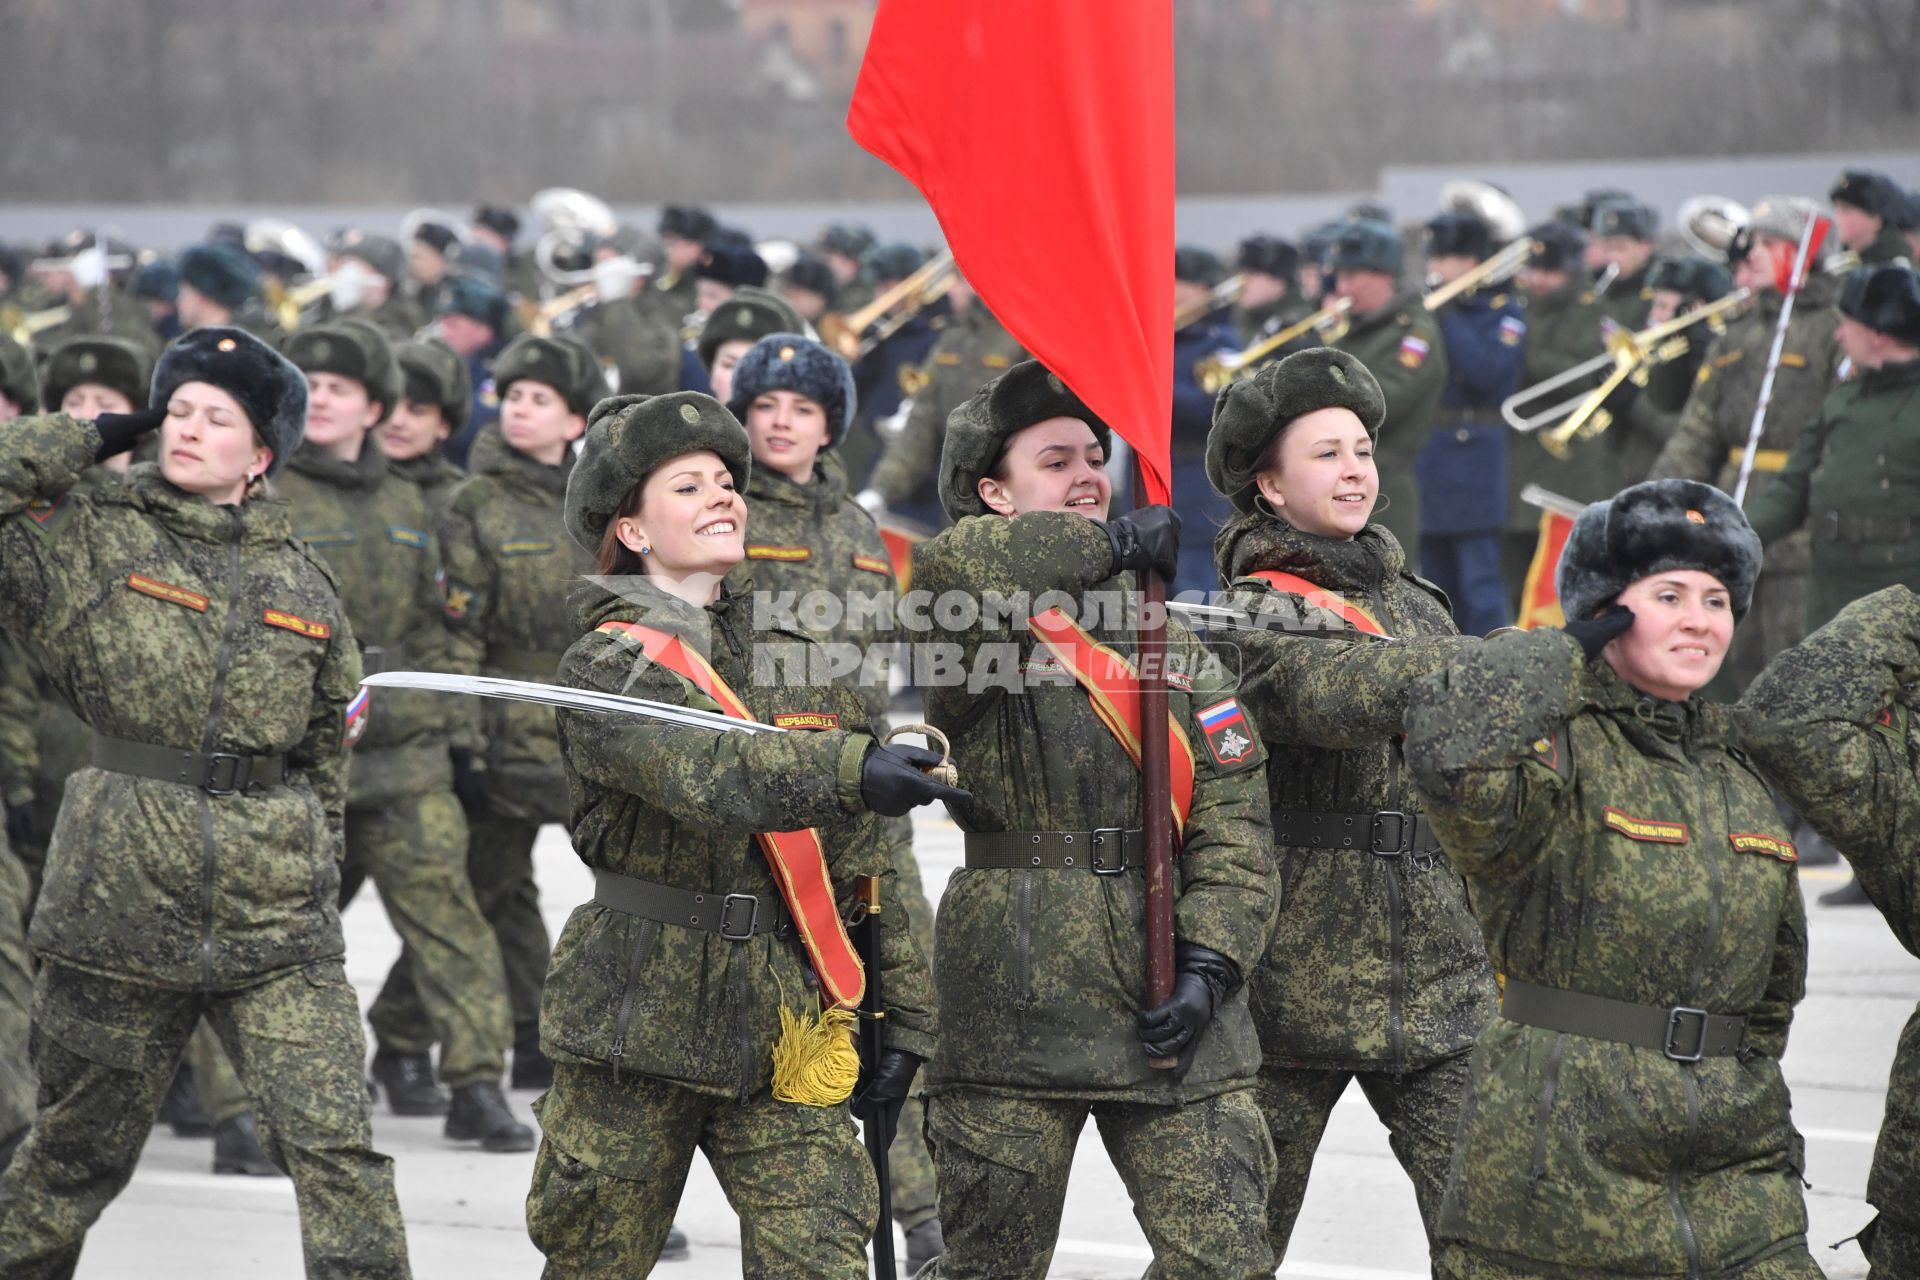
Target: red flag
x,y
1041,133
1539,601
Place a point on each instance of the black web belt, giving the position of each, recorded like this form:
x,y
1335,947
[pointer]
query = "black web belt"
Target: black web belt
x,y
1682,1033
218,773
1386,833
734,916
1106,851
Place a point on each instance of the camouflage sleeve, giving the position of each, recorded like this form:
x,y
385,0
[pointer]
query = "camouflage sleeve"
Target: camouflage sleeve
x,y
1781,507
1828,723
44,458
19,720
993,556
322,753
1786,979
466,608
431,648
1229,893
1483,745
1695,450
1309,679
914,453
742,782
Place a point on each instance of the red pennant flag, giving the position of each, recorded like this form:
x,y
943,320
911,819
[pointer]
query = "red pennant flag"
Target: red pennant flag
x,y
1041,133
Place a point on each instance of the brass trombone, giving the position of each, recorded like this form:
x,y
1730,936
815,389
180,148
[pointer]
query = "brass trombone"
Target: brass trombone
x,y
1224,294
1218,370
849,334
548,313
1580,416
1500,266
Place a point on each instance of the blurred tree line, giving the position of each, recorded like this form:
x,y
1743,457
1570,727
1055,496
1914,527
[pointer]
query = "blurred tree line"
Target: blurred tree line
x,y
450,100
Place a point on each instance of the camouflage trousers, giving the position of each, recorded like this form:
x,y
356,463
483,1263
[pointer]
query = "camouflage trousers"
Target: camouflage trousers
x,y
614,1156
1198,1176
215,1082
1458,1262
1420,1111
106,1051
500,867
16,998
909,1165
1892,1246
1892,1241
415,849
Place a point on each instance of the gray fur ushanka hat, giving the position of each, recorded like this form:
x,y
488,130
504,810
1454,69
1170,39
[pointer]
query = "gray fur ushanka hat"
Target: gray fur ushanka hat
x,y
1654,527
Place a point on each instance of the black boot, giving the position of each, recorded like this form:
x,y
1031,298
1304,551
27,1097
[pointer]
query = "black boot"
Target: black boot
x,y
408,1080
532,1069
237,1149
479,1111
1849,894
180,1109
924,1244
675,1249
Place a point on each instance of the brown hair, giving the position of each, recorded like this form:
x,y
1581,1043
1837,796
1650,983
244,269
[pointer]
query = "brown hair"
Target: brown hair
x,y
616,557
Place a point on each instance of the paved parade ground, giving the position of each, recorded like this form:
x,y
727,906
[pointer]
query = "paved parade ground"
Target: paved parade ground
x,y
465,1216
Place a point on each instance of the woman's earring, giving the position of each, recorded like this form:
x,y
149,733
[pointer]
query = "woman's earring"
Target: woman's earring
x,y
646,551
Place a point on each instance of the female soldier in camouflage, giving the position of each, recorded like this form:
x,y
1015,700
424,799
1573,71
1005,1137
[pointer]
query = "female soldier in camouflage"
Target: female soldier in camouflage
x,y
1626,1112
669,990
435,399
1376,969
194,867
1041,938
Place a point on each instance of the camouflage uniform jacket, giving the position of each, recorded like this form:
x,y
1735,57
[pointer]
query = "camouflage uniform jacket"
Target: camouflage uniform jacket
x,y
1620,846
680,806
1041,973
1376,963
19,718
1835,721
510,568
1713,427
812,538
167,620
1401,346
436,476
972,351
373,530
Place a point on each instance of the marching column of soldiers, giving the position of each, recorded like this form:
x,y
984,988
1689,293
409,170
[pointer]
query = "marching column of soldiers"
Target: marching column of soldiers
x,y
1533,888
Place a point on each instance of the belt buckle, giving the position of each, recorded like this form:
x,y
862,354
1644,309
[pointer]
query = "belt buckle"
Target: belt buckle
x,y
1119,838
753,915
1403,843
1674,1015
210,784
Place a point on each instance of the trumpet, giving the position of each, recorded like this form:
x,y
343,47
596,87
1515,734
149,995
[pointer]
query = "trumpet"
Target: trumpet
x,y
296,298
1580,416
850,336
1500,266
1215,372
1224,294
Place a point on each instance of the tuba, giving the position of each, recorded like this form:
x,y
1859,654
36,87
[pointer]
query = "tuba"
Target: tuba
x,y
1709,223
1489,204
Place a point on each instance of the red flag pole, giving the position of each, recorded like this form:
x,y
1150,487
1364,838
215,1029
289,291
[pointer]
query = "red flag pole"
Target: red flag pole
x,y
1156,786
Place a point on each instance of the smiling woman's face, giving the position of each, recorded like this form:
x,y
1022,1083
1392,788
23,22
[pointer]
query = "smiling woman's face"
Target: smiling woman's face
x,y
1682,624
1053,465
1320,476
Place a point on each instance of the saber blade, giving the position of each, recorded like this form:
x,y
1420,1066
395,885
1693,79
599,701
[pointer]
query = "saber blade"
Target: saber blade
x,y
554,695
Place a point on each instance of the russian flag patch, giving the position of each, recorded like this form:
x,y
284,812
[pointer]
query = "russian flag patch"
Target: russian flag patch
x,y
1512,330
357,716
1413,351
1225,729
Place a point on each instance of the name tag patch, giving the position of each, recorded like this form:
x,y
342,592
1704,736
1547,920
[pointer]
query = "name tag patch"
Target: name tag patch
x,y
805,720
296,624
1770,846
406,537
168,592
1226,731
526,547
1655,830
764,552
873,564
327,537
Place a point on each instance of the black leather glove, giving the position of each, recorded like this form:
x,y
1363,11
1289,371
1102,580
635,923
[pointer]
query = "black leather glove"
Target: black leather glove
x,y
1146,539
1594,633
470,782
1203,979
883,1090
20,825
119,432
892,781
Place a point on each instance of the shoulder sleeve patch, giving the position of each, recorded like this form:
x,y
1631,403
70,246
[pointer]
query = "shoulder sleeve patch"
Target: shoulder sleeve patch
x,y
48,515
1553,753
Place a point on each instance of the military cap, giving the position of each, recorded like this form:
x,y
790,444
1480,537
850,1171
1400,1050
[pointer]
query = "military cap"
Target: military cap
x,y
1864,189
382,253
1594,197
749,315
851,239
498,219
482,262
158,280
1886,299
1195,265
628,436
1316,246
433,373
233,233
1557,246
118,363
1782,217
1692,276
269,387
475,297
1269,255
566,364
1254,411
1454,234
630,241
687,222
1906,217
731,261
1655,527
789,362
1368,245
353,349
1371,211
894,260
1628,218
978,431
812,273
17,380
223,273
436,235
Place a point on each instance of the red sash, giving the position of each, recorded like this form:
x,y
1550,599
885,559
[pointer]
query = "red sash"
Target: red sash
x,y
1113,687
1320,598
799,862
